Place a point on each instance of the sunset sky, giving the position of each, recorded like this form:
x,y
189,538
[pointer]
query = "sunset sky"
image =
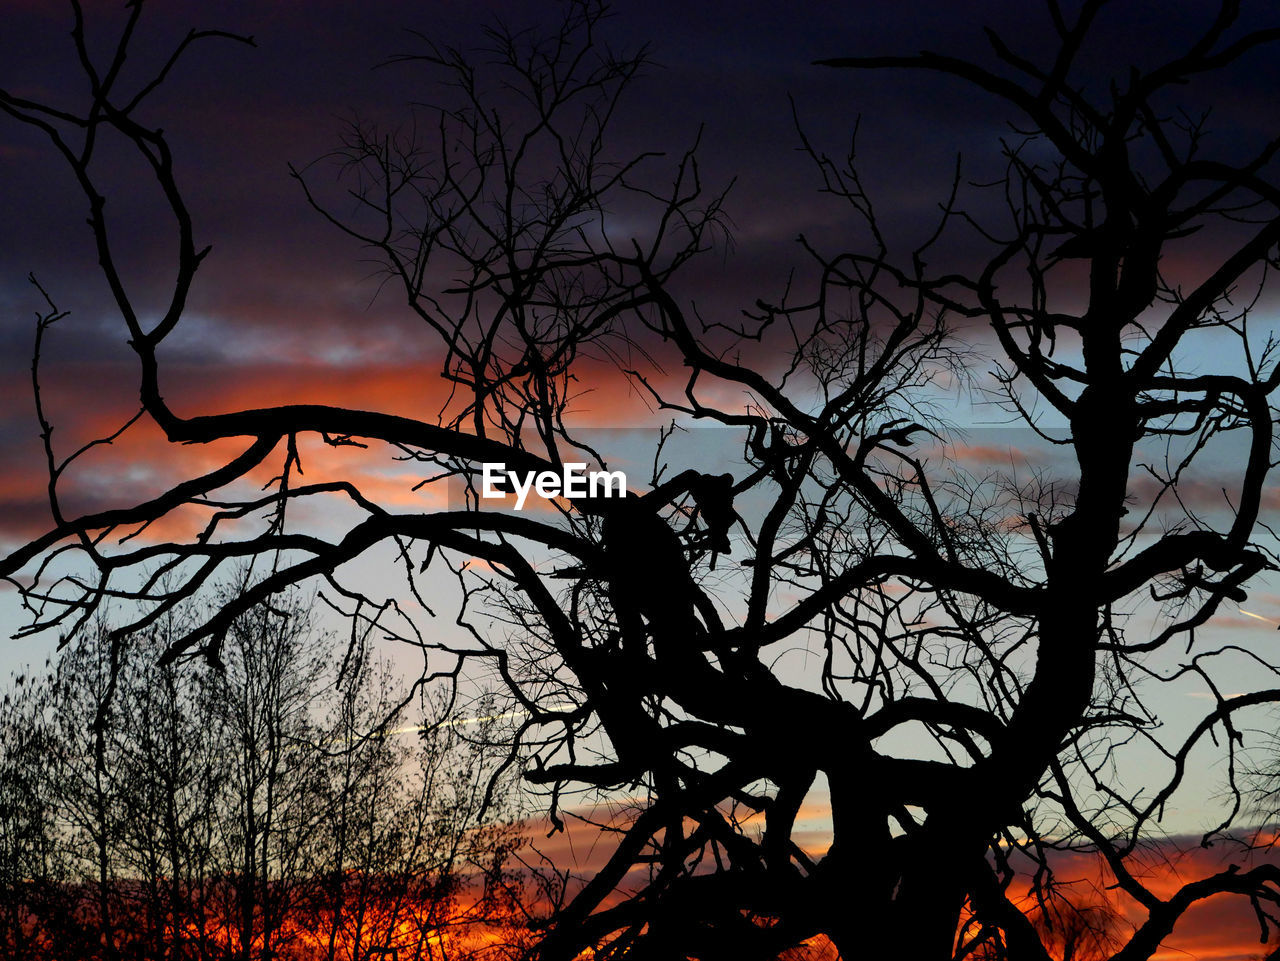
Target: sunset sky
x,y
286,310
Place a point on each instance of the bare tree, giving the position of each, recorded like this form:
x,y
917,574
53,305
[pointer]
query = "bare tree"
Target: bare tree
x,y
638,639
257,811
34,868
164,760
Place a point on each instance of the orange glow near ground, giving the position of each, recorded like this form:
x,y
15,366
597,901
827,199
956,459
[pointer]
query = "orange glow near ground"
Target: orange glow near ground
x,y
382,925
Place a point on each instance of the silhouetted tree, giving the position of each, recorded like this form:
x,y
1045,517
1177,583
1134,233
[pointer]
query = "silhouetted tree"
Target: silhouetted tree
x,y
37,906
172,761
1000,617
254,811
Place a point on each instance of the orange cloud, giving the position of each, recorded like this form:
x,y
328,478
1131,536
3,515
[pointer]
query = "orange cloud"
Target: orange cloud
x,y
1221,928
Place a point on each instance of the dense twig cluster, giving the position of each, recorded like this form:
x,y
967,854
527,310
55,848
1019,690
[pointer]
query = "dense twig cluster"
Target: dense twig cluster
x,y
260,811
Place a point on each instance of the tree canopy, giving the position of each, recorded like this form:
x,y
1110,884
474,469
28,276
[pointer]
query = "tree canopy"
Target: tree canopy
x,y
985,646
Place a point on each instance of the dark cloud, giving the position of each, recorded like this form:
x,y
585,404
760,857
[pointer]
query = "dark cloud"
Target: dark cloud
x,y
238,116
285,302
